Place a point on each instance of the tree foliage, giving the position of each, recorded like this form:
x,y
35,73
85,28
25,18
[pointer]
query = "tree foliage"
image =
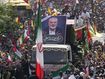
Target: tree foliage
x,y
7,19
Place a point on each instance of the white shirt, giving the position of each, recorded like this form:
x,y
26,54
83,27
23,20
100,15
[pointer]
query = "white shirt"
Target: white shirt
x,y
51,32
85,15
79,22
72,77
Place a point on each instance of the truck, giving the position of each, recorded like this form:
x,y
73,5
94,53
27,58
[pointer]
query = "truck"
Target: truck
x,y
56,59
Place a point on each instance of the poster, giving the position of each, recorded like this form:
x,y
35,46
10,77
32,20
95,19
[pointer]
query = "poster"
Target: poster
x,y
54,29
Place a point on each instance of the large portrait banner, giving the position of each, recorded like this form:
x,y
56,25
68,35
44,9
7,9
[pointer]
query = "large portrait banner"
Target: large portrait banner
x,y
54,29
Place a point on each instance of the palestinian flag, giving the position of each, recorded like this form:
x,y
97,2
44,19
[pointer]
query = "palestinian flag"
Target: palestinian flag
x,y
39,46
24,37
17,52
56,74
20,40
9,58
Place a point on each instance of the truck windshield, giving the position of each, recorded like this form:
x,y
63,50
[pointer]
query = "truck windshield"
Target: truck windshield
x,y
54,54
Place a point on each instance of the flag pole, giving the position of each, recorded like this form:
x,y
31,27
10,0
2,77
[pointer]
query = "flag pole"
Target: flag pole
x,y
39,45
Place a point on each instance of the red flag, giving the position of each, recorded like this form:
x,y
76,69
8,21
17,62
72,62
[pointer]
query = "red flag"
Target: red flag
x,y
88,34
79,34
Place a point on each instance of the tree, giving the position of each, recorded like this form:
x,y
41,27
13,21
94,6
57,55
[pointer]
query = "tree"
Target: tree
x,y
7,19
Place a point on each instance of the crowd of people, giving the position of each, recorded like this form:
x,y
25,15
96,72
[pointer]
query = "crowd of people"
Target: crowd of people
x,y
92,65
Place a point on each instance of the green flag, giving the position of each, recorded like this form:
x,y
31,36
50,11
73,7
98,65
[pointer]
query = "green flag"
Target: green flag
x,y
55,74
84,39
72,33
